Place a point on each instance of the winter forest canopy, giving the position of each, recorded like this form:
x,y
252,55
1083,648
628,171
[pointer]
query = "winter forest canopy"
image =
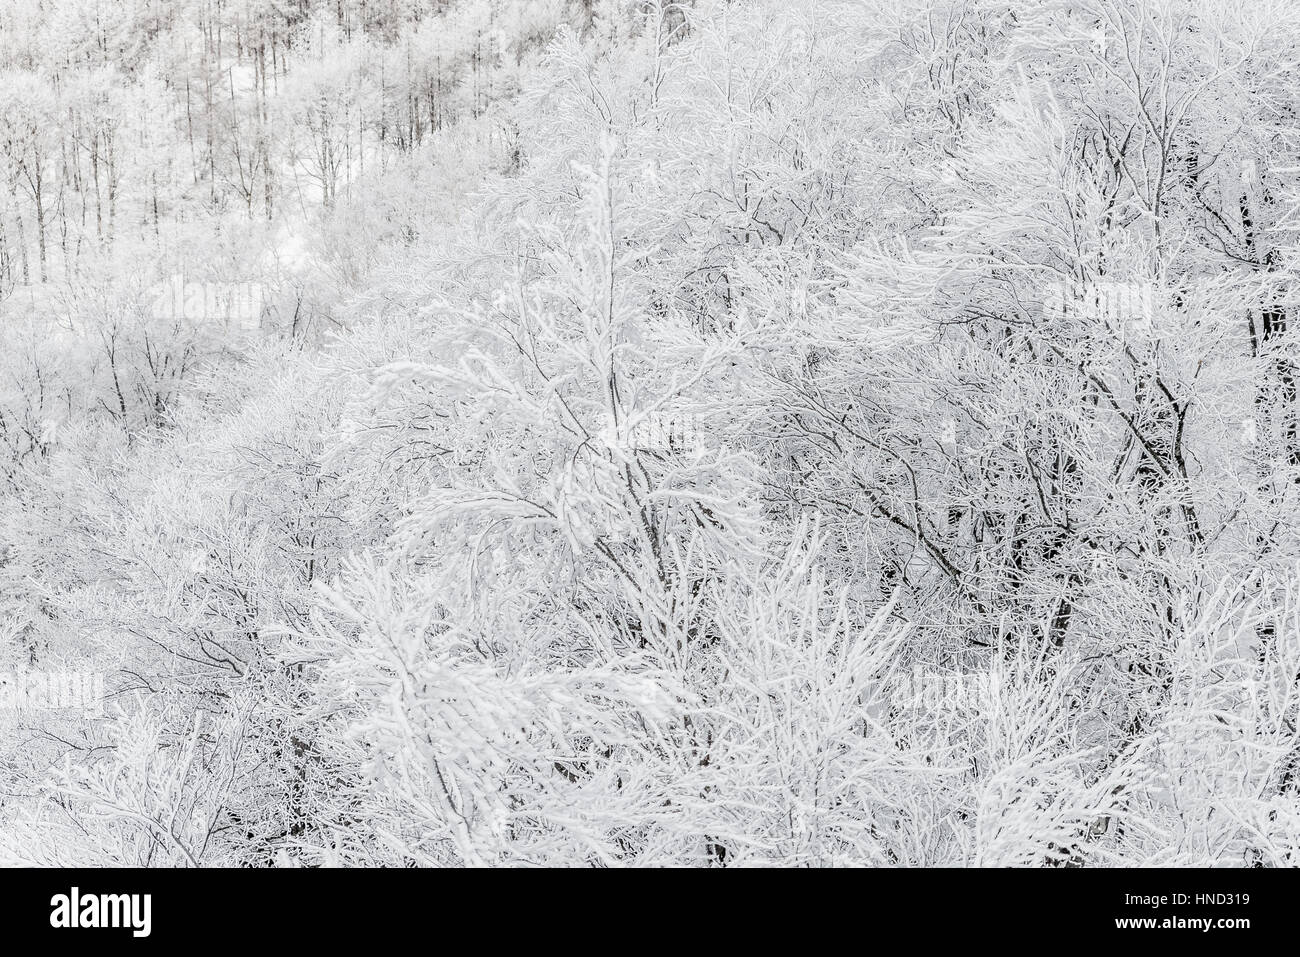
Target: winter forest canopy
x,y
622,432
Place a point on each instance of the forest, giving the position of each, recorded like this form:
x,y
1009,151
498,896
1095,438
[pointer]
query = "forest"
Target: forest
x,y
632,433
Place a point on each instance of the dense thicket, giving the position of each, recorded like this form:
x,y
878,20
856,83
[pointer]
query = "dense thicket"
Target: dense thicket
x,y
723,433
